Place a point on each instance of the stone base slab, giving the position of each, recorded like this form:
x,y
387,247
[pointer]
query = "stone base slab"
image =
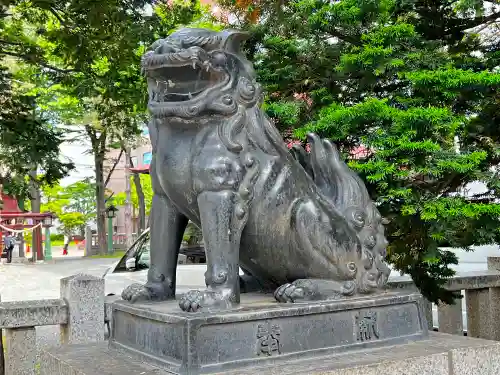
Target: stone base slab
x,y
263,332
439,354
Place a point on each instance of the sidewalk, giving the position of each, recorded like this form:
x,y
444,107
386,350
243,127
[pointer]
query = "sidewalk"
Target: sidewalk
x,y
73,252
57,253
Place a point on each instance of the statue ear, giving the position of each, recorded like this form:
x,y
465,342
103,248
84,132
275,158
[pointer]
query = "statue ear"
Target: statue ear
x,y
232,40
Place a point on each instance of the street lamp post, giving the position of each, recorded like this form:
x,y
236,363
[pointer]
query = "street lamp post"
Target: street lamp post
x,y
47,222
111,213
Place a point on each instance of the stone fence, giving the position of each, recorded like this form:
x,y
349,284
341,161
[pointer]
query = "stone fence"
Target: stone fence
x,y
79,313
479,310
119,241
82,311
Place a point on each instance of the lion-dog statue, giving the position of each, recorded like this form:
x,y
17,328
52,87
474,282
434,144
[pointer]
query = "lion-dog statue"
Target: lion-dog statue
x,y
296,223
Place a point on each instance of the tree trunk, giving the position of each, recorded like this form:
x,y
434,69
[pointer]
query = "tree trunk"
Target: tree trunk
x,y
140,199
128,200
142,203
98,142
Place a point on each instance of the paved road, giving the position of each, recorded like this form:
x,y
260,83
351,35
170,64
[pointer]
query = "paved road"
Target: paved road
x,y
35,281
38,281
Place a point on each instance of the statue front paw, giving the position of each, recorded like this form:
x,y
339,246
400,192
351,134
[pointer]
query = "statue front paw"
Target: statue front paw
x,y
196,300
149,292
131,292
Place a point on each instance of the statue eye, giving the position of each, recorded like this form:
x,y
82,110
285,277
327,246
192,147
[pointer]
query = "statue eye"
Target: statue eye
x,y
218,60
358,219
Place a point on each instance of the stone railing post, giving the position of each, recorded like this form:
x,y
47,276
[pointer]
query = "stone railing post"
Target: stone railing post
x,y
494,265
88,241
84,296
450,318
20,351
428,314
478,312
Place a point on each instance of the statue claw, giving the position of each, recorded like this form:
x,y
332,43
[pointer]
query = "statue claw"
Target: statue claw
x,y
191,301
196,300
289,293
302,290
149,292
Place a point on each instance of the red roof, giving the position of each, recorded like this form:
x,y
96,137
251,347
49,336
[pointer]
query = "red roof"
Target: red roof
x,y
9,205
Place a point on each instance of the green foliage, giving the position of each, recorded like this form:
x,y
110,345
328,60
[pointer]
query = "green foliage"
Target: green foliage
x,y
26,141
71,221
56,237
82,198
192,234
74,205
413,83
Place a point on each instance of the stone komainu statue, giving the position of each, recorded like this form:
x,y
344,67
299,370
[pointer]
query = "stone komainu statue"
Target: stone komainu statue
x,y
300,224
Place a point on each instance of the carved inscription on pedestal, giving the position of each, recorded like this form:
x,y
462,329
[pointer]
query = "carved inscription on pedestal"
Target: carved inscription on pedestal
x,y
366,326
268,339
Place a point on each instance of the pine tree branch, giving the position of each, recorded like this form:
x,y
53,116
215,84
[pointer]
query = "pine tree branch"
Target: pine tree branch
x,y
464,24
346,38
2,41
55,14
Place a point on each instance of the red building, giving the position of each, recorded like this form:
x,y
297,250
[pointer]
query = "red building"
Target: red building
x,y
10,205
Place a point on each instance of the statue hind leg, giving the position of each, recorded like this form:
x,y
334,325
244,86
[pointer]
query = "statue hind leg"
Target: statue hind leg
x,y
313,290
314,234
222,222
167,228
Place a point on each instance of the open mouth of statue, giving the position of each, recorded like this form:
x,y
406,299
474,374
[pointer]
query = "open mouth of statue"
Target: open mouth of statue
x,y
170,84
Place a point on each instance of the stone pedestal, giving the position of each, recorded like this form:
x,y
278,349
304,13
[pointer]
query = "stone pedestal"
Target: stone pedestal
x,y
386,333
263,332
439,354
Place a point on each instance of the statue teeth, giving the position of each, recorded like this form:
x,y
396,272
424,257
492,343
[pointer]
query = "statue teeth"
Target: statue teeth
x,y
190,96
194,64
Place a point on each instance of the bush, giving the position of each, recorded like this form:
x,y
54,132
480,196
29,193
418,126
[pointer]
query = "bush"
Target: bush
x,y
57,237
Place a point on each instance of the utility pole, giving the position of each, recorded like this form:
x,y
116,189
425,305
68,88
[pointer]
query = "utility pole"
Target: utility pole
x,y
128,200
36,202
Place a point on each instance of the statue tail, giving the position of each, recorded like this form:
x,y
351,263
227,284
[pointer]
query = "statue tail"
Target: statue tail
x,y
348,194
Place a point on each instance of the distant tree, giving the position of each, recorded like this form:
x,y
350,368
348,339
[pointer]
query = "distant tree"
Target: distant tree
x,y
73,205
27,143
82,200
